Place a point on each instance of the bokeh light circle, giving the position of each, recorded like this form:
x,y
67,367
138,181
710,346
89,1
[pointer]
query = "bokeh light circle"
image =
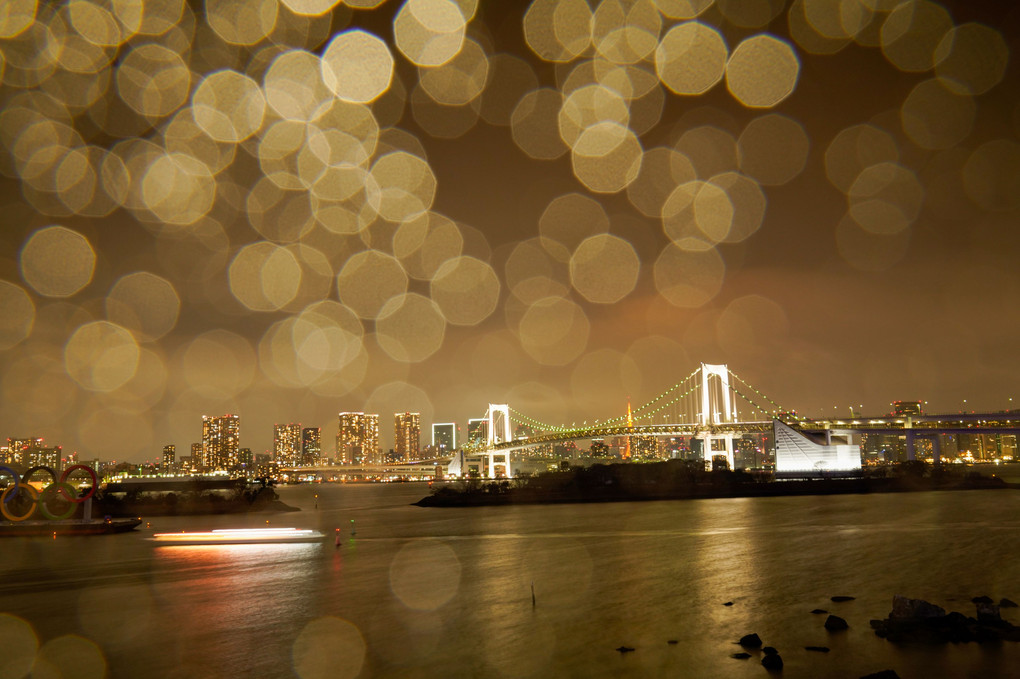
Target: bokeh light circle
x,y
762,71
101,356
691,58
228,106
329,648
554,330
425,575
20,644
57,262
357,66
144,303
429,32
689,278
604,268
368,279
410,328
466,290
264,276
18,312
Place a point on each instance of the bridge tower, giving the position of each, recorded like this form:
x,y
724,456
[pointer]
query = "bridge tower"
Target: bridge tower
x,y
716,393
499,432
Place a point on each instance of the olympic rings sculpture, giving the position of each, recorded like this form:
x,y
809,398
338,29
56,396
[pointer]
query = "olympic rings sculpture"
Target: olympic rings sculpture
x,y
40,499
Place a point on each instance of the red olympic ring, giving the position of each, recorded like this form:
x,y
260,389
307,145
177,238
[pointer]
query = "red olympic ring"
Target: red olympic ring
x,y
39,500
92,490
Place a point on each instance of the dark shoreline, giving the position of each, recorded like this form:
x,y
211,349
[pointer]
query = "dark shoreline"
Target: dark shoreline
x,y
672,481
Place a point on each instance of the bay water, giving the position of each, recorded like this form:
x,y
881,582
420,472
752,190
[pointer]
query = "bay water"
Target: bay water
x,y
515,591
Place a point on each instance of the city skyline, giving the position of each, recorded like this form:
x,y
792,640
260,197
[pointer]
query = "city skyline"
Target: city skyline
x,y
838,226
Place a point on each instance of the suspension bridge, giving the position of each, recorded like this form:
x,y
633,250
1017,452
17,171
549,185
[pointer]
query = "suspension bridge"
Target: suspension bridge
x,y
704,405
712,406
715,406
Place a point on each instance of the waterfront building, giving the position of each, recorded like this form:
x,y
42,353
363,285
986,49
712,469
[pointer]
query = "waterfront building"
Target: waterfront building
x,y
220,439
644,447
598,448
745,453
287,444
357,439
311,448
1007,447
444,438
796,453
169,458
407,436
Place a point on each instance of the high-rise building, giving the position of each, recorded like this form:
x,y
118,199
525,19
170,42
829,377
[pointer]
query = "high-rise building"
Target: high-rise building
x,y
220,439
246,460
39,455
478,430
407,436
19,450
169,458
444,437
357,439
311,448
287,444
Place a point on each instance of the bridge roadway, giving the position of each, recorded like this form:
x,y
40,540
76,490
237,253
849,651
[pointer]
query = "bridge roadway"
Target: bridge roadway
x,y
674,429
419,469
911,426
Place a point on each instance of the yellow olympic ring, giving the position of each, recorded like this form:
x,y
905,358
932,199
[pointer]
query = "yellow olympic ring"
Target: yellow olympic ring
x,y
40,500
14,517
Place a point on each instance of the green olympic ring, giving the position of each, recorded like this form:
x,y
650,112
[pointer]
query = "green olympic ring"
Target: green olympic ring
x,y
39,500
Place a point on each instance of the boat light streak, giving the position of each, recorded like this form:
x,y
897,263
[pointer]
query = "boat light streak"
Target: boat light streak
x,y
240,535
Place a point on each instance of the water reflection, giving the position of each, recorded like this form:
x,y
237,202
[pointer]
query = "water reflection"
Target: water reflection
x,y
420,592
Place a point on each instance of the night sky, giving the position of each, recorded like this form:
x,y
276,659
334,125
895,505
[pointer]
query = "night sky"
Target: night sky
x,y
286,209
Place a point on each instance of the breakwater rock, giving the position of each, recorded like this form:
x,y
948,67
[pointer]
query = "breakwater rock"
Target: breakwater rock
x,y
918,621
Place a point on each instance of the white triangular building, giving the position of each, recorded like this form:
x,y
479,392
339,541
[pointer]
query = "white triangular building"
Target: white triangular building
x,y
795,452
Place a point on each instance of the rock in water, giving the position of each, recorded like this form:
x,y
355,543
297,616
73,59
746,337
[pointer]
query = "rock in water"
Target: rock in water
x,y
728,603
820,649
772,662
981,600
819,611
838,599
834,623
770,650
914,609
884,674
1006,603
625,649
988,612
741,656
750,641
916,621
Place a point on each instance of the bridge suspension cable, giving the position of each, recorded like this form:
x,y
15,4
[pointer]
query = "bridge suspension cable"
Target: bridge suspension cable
x,y
683,397
776,406
523,419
